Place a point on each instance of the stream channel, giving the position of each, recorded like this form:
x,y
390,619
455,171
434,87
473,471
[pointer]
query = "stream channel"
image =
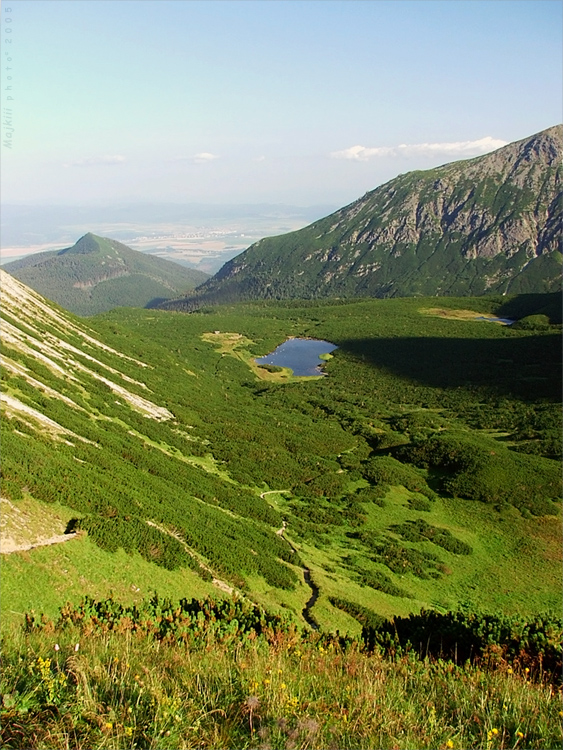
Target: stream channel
x,y
306,611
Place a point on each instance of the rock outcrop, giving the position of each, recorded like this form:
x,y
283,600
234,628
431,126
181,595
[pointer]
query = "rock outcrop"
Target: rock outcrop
x,y
486,225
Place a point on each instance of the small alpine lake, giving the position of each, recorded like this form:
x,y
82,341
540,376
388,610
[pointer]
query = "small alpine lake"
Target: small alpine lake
x,y
302,356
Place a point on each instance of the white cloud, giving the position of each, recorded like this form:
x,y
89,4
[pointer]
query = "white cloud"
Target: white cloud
x,y
455,148
93,161
204,157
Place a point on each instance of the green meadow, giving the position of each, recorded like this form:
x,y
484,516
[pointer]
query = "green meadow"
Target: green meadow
x,y
421,472
273,561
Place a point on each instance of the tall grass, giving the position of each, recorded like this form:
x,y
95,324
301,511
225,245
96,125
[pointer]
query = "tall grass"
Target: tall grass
x,y
67,689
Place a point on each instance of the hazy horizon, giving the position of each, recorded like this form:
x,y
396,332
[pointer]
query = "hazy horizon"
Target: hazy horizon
x,y
265,102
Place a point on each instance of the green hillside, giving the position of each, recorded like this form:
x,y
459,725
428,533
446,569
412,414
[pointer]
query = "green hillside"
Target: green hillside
x,y
367,559
422,472
486,225
97,274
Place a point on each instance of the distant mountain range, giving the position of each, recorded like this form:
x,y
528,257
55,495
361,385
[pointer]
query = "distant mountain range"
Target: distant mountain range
x,y
97,274
486,225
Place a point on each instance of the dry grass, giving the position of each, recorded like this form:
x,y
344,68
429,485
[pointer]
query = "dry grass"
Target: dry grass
x,y
124,692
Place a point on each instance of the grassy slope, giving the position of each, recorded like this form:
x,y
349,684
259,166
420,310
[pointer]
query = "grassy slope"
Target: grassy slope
x,y
44,578
497,538
124,690
209,389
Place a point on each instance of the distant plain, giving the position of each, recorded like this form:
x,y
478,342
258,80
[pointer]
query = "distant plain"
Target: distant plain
x,y
199,236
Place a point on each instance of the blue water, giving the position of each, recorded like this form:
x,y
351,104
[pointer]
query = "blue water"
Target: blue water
x,y
301,355
506,321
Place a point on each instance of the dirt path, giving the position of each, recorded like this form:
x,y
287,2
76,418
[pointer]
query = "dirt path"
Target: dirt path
x,y
7,545
273,492
223,585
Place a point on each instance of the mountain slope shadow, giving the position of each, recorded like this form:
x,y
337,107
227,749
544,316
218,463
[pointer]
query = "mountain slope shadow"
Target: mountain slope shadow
x,y
528,367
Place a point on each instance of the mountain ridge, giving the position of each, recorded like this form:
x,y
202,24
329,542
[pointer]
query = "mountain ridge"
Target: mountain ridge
x,y
491,224
98,273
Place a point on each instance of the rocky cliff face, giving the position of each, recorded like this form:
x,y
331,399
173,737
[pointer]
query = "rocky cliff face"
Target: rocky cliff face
x,y
490,224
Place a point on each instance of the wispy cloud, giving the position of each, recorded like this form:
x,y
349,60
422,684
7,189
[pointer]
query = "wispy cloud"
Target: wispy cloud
x,y
203,158
455,148
94,161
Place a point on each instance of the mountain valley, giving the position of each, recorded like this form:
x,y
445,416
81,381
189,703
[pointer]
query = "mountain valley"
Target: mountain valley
x,y
203,550
131,427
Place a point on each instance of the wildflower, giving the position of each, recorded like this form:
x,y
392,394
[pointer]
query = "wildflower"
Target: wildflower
x,y
57,647
509,670
266,682
108,725
128,731
527,670
519,735
494,731
449,743
76,646
283,686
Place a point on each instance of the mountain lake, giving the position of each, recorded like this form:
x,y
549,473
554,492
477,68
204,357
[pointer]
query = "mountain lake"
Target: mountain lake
x,y
301,355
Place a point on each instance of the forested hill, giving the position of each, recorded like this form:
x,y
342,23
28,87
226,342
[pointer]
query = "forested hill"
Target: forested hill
x,y
486,225
97,274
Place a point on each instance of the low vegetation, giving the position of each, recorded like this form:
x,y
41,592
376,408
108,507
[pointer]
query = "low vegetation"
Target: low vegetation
x,y
419,479
225,674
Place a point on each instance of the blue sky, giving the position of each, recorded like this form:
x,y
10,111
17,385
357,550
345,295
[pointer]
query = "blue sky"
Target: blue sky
x,y
275,101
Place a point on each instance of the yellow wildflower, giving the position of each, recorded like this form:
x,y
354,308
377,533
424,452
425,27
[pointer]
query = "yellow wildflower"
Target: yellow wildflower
x,y
449,743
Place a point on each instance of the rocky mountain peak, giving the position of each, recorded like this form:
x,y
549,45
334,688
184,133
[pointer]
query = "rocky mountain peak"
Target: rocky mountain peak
x,y
491,224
